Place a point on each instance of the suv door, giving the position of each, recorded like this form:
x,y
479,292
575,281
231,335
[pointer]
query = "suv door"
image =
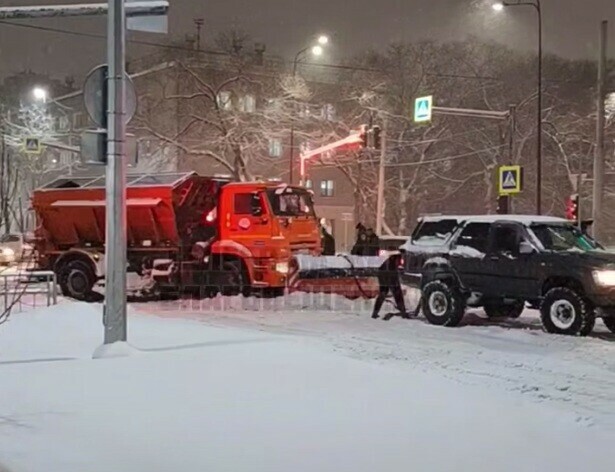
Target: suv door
x,y
509,273
467,255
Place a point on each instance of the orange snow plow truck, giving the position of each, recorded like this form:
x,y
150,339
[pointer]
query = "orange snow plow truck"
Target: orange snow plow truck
x,y
186,233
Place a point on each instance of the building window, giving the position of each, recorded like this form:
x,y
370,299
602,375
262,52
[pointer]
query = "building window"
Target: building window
x,y
275,147
80,121
247,104
224,100
66,158
326,188
328,112
308,183
63,124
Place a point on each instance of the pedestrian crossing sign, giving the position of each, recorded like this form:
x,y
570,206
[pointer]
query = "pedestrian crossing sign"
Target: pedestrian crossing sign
x,y
423,108
32,145
510,180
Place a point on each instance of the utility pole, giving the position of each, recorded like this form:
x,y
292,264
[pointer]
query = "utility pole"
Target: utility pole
x,y
199,22
600,123
381,170
115,250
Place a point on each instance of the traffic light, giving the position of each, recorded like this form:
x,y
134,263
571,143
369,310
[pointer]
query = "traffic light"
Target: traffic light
x,y
503,205
572,208
364,133
376,138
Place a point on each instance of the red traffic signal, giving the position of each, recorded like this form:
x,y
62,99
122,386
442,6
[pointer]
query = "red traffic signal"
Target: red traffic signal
x,y
370,136
572,208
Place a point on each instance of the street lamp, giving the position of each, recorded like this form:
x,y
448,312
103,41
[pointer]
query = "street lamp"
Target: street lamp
x,y
317,50
536,4
39,94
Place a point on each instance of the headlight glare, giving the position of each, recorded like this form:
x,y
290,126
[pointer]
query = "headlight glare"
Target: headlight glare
x,y
606,278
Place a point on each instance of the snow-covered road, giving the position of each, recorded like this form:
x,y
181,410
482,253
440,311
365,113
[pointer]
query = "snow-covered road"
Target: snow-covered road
x,y
574,374
248,385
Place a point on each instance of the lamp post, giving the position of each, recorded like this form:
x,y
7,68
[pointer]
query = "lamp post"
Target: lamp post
x,y
316,50
536,4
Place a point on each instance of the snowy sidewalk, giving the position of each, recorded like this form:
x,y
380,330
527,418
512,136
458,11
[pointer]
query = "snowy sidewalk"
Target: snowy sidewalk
x,y
200,398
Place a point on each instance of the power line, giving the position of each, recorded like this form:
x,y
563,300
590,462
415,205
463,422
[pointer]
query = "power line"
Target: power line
x,y
222,53
450,158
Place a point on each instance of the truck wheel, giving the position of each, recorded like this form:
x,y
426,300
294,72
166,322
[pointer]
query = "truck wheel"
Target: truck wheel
x,y
442,305
609,323
232,279
564,311
501,310
76,280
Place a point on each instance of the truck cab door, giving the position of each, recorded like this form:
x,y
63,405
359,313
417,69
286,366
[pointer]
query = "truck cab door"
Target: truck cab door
x,y
247,219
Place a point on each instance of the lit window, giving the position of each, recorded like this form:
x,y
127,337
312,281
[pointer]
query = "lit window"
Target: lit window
x,y
247,104
63,124
326,188
65,158
308,183
328,112
275,148
224,100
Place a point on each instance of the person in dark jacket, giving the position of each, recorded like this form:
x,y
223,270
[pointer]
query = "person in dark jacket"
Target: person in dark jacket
x,y
360,245
388,279
328,242
372,243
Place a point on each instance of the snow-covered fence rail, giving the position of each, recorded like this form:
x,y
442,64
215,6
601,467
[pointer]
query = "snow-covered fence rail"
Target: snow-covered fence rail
x,y
26,288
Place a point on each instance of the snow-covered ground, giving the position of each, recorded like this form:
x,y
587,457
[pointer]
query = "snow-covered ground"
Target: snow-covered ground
x,y
291,385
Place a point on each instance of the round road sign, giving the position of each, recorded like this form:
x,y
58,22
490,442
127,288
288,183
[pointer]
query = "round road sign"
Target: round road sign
x,y
94,93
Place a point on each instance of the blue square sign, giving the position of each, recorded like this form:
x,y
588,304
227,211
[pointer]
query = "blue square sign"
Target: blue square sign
x,y
423,107
510,180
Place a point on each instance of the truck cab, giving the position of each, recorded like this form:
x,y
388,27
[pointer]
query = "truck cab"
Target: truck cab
x,y
262,225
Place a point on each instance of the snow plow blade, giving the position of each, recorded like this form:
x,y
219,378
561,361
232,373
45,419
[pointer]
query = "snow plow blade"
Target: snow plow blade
x,y
349,276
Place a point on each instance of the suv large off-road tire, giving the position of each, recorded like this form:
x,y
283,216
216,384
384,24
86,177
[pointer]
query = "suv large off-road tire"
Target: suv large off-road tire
x,y
502,310
564,311
610,323
443,305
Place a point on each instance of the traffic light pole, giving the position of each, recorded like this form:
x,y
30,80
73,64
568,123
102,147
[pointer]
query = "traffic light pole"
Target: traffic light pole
x,y
114,316
598,194
381,179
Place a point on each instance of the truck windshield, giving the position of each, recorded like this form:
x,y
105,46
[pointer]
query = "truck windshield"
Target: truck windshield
x,y
564,238
291,202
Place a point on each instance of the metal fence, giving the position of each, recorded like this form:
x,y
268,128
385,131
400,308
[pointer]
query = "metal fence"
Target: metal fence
x,y
27,289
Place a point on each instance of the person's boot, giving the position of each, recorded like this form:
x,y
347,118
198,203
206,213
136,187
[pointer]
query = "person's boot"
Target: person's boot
x,y
375,316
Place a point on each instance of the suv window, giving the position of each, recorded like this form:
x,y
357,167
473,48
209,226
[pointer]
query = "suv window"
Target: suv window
x,y
433,233
505,239
475,236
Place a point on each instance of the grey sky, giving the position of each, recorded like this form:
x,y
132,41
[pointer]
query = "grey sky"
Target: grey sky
x,y
285,25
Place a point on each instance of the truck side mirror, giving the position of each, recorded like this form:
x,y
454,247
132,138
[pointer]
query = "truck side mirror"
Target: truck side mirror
x,y
257,208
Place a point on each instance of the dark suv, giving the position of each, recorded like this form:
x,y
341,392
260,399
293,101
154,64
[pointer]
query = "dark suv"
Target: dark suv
x,y
503,262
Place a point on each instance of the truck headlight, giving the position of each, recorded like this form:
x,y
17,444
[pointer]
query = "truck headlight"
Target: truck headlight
x,y
282,267
606,278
